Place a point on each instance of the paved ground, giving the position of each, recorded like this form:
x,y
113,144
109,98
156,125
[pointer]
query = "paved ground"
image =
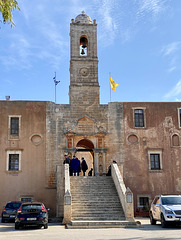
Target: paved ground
x,y
58,232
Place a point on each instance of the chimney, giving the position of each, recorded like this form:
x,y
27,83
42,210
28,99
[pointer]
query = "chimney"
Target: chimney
x,y
7,98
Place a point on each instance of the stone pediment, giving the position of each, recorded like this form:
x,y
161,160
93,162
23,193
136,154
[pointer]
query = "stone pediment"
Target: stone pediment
x,y
85,125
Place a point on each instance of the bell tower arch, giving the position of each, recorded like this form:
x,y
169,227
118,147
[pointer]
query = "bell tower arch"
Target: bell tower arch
x,y
84,86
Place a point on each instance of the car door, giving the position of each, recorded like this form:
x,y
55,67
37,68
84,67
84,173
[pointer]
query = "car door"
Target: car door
x,y
156,208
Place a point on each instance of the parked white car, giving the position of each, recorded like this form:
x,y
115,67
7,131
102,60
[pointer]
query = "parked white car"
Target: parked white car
x,y
166,209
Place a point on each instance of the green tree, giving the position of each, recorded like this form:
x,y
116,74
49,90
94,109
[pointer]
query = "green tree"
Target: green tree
x,y
6,8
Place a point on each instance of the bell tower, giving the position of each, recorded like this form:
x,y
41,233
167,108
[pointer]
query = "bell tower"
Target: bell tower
x,y
84,86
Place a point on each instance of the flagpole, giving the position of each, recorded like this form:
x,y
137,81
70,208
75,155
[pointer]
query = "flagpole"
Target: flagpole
x,y
55,87
56,82
110,85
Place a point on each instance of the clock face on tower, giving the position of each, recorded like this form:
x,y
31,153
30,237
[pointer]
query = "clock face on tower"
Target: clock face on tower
x,y
84,72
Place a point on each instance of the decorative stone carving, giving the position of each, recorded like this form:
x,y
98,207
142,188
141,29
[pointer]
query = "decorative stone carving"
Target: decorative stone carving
x,y
132,138
36,139
85,125
84,72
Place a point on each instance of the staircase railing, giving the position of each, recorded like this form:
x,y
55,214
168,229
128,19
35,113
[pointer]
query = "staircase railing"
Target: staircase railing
x,y
125,195
67,196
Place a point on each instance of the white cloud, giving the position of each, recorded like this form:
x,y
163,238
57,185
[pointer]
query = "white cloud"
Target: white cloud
x,y
120,18
170,48
171,52
151,7
174,93
108,23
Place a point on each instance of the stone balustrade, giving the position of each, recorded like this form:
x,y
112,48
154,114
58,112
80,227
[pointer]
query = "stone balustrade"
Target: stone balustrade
x,y
125,195
67,197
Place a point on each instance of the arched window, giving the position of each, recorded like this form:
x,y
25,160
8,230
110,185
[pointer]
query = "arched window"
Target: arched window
x,y
175,140
83,46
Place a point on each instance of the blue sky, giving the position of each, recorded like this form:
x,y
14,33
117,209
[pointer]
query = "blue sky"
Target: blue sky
x,y
139,43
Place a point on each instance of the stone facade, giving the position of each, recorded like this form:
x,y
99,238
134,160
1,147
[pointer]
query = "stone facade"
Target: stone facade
x,y
147,153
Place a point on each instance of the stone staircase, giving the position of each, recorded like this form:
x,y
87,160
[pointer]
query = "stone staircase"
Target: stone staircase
x,y
95,203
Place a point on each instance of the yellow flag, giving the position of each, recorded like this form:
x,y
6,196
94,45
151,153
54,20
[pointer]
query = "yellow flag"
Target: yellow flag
x,y
113,84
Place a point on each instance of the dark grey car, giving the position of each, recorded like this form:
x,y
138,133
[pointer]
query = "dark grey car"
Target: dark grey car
x,y
32,214
9,211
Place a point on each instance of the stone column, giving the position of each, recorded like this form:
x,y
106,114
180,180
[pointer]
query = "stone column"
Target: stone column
x,y
96,162
104,163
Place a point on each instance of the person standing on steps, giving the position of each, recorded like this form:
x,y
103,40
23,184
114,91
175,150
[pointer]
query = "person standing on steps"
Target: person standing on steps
x,y
67,160
75,166
84,166
109,169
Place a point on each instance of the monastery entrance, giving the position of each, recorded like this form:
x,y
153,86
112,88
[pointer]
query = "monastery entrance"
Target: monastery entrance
x,y
91,147
84,148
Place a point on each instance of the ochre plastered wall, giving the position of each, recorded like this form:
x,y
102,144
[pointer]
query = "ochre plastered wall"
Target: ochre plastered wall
x,y
161,123
30,180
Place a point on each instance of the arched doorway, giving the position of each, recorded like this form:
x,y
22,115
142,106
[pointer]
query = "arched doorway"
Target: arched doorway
x,y
84,148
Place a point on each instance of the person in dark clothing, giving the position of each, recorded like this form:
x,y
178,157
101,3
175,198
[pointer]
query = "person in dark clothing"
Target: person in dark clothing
x,y
67,161
109,169
90,172
84,166
75,166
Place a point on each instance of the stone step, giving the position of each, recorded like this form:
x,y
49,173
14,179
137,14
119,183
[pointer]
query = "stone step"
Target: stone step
x,y
97,211
87,190
101,224
98,205
95,194
97,218
95,199
103,205
96,215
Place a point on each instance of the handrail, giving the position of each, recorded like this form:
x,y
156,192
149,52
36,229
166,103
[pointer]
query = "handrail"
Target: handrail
x,y
67,196
67,178
125,195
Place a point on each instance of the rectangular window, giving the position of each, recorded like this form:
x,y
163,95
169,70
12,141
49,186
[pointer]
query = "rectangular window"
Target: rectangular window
x,y
143,201
14,126
139,117
179,117
155,161
13,160
26,199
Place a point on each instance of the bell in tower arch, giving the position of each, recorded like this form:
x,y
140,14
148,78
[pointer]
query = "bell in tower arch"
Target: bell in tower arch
x,y
82,52
83,46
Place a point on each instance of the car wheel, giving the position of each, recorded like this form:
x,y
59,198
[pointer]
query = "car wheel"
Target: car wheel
x,y
16,226
164,223
3,220
46,226
152,220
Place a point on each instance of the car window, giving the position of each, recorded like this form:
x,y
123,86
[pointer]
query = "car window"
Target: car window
x,y
156,200
13,205
171,200
31,206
